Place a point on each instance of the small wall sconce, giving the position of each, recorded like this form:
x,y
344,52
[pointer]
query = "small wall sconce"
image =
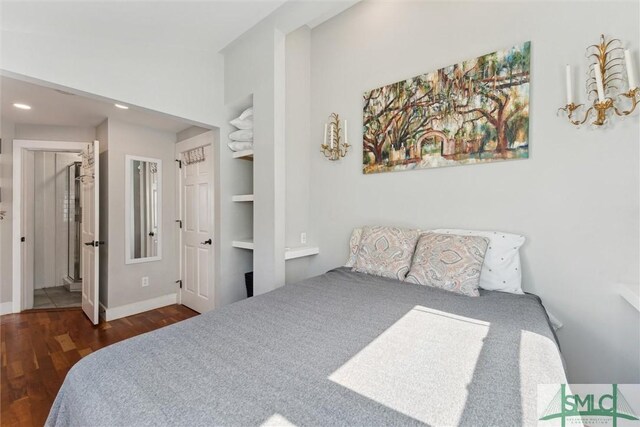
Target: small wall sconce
x,y
334,148
605,74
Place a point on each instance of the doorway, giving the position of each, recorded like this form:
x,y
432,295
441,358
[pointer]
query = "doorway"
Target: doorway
x,y
53,200
55,227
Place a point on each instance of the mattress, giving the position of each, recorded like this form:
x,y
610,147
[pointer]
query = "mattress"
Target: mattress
x,y
343,348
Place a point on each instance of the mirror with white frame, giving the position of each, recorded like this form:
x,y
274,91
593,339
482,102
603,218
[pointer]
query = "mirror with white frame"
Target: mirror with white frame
x,y
143,205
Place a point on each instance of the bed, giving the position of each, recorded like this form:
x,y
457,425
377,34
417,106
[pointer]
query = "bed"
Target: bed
x,y
343,348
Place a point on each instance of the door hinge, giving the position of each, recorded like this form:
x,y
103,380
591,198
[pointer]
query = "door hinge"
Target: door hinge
x,y
179,282
179,221
179,164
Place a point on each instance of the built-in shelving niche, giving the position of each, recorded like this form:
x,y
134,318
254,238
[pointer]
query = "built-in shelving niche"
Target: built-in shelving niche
x,y
244,197
241,195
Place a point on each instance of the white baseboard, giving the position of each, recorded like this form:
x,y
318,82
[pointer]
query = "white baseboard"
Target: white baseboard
x,y
6,308
113,313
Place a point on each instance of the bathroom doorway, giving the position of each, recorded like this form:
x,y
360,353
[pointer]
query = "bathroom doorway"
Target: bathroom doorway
x,y
53,212
41,221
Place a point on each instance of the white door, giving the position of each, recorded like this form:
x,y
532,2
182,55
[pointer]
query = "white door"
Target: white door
x,y
196,242
90,236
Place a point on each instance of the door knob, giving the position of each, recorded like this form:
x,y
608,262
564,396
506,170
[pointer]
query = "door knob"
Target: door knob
x,y
89,243
206,242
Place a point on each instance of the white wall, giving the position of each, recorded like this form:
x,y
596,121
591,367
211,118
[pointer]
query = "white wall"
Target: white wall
x,y
190,132
55,133
298,149
8,132
576,199
184,83
124,280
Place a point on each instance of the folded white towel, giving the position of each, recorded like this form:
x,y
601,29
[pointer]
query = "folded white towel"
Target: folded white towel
x,y
240,146
246,114
242,135
243,124
245,120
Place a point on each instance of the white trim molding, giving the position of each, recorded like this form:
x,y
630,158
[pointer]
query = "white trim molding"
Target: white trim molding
x,y
114,313
6,308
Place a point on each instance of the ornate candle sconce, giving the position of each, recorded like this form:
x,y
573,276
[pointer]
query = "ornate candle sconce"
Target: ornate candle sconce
x,y
605,74
334,148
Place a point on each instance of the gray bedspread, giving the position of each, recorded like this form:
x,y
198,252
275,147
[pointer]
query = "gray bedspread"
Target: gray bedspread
x,y
342,348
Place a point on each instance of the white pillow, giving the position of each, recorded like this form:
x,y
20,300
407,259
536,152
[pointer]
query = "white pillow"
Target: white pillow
x,y
354,244
240,146
501,269
243,124
243,135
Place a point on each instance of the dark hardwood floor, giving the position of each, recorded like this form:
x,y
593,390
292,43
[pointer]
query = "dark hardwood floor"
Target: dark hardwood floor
x,y
39,347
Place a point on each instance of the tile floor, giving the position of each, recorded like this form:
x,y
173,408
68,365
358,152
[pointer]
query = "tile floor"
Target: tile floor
x,y
56,297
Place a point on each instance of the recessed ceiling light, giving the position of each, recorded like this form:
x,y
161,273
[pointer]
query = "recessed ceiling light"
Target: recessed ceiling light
x,y
22,106
124,107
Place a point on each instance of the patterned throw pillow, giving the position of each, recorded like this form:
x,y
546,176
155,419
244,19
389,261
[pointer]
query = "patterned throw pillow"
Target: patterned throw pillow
x,y
354,244
386,251
449,262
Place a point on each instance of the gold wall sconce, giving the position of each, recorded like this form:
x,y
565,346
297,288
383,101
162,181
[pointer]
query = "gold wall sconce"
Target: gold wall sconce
x,y
333,148
604,77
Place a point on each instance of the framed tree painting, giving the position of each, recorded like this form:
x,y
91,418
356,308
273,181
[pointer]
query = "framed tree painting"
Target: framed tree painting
x,y
475,111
